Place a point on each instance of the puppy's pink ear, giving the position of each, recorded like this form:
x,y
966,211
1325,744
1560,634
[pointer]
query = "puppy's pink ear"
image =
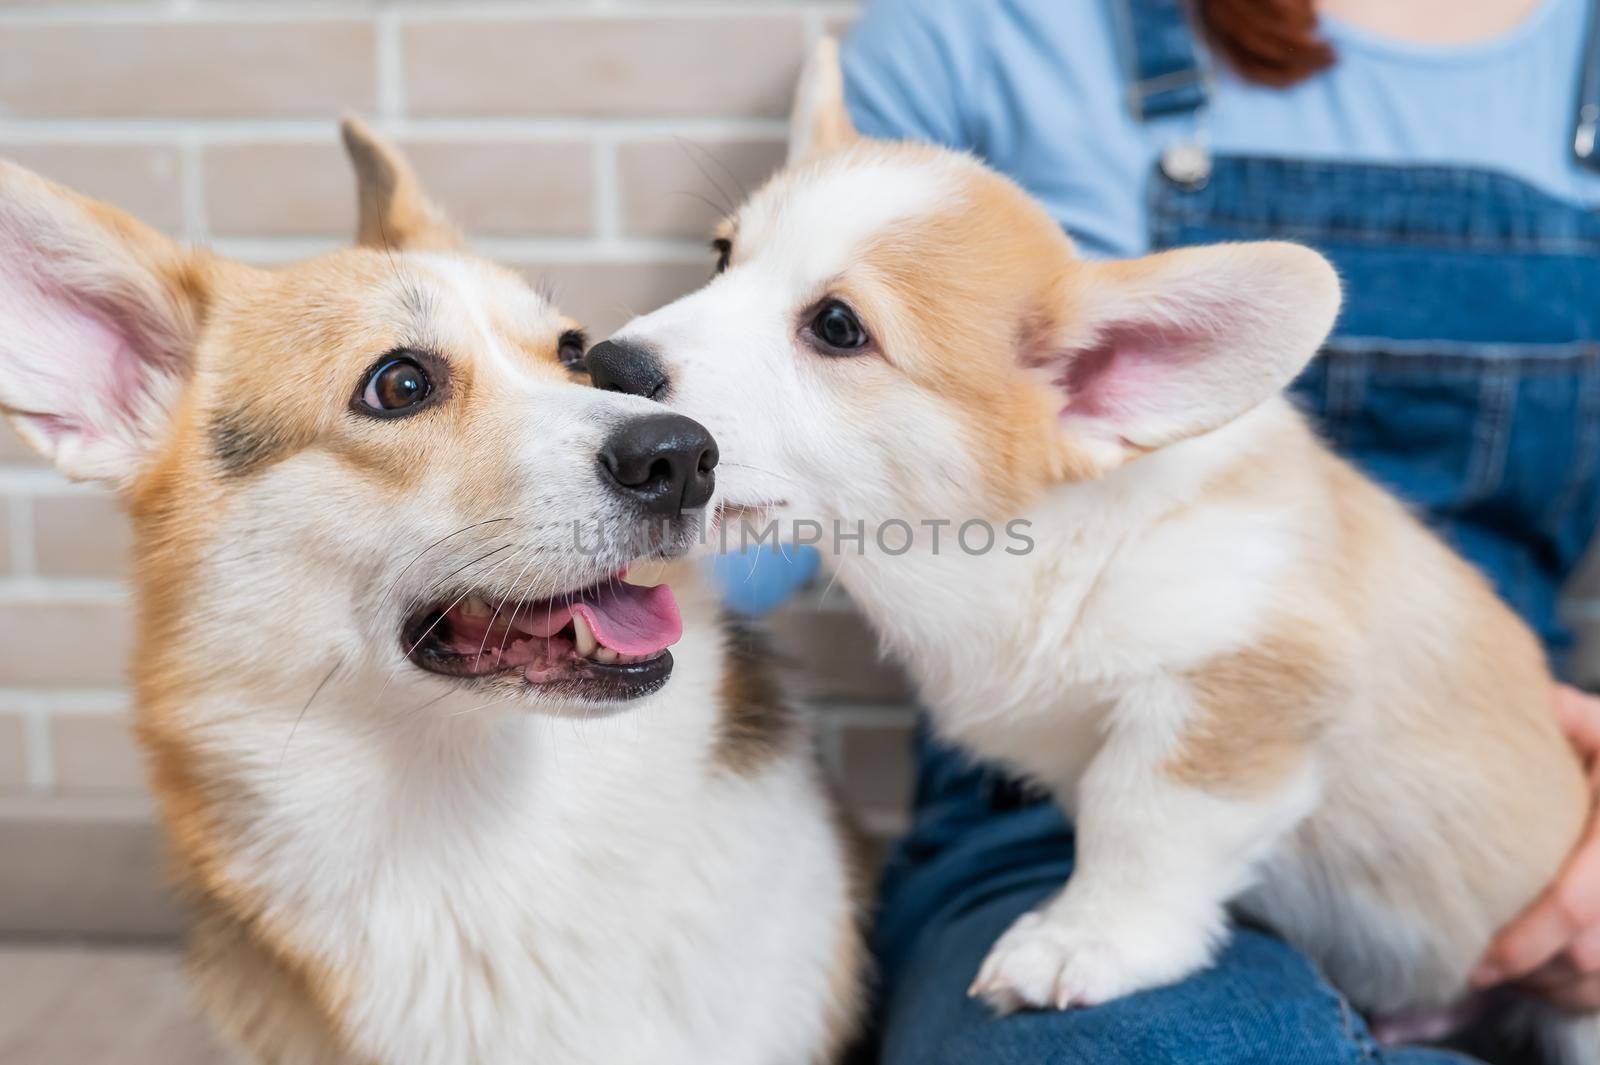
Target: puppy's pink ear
x,y
1155,350
98,320
819,122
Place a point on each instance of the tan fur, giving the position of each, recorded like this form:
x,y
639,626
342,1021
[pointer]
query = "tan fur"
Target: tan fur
x,y
937,314
1469,671
1383,623
261,1000
757,722
393,212
852,965
820,123
1259,710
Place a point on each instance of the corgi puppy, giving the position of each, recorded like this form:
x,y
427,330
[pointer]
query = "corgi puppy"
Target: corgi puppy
x,y
436,787
1247,673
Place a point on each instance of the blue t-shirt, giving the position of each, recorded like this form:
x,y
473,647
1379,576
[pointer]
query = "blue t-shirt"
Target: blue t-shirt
x,y
1038,90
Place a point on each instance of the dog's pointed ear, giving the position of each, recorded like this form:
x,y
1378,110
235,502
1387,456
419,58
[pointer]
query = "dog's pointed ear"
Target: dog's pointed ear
x,y
1147,352
820,123
99,319
394,212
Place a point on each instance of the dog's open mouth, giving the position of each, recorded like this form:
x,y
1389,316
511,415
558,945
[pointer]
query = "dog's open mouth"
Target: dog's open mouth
x,y
605,642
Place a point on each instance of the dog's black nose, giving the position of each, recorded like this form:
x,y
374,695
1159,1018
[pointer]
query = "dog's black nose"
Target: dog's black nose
x,y
619,366
664,460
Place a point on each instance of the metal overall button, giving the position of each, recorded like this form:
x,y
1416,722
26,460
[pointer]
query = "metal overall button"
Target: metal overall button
x,y
1186,164
1583,138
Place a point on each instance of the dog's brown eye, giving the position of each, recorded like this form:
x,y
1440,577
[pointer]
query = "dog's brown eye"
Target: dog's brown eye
x,y
571,348
397,384
723,247
837,327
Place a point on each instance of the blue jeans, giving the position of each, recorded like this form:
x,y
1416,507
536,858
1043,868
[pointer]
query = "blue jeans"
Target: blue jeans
x,y
981,854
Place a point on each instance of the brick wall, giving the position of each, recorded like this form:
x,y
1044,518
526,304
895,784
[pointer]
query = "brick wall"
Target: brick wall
x,y
585,141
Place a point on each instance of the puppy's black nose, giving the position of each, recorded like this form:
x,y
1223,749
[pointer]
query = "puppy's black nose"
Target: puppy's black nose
x,y
618,366
666,461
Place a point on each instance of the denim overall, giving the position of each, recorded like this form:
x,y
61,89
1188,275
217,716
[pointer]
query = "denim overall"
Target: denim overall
x,y
1463,374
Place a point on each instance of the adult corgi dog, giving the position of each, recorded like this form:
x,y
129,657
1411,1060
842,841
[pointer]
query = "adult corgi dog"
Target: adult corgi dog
x,y
436,788
1250,676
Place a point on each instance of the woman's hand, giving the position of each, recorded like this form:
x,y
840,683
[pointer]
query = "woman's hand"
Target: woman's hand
x,y
1553,948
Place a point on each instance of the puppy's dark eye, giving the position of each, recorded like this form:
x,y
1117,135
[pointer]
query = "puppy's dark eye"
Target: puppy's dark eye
x,y
572,346
397,385
723,247
838,329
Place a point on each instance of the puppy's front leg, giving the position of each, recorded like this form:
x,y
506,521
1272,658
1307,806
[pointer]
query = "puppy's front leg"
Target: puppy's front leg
x,y
1162,846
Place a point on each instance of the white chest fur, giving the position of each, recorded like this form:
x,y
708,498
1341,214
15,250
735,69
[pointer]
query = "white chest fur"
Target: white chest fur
x,y
1021,656
493,887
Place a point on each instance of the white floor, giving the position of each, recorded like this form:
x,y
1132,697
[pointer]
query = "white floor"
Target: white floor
x,y
66,1004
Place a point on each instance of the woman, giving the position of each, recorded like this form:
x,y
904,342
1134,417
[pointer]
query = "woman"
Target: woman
x,y
1432,150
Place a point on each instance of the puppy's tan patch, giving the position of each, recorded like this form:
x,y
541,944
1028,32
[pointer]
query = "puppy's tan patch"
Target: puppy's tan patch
x,y
1257,712
962,329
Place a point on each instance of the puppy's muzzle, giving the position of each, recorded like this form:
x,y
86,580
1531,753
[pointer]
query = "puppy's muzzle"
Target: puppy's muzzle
x,y
621,366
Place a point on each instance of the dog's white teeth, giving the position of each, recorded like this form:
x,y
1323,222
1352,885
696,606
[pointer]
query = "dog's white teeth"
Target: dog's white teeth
x,y
606,655
587,644
474,606
644,574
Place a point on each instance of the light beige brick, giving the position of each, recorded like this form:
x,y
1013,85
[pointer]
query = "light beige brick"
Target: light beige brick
x,y
95,752
875,765
708,65
142,179
63,643
1584,667
174,69
604,295
839,26
13,752
5,536
837,655
80,536
83,865
681,188
530,187
100,1003
13,451
1586,582
1584,600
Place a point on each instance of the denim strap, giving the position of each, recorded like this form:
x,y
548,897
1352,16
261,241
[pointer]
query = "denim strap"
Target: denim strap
x,y
1588,120
1166,73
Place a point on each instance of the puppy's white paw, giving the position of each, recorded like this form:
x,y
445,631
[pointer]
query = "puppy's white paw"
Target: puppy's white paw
x,y
1041,963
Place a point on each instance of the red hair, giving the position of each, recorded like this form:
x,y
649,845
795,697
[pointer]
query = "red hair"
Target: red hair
x,y
1273,42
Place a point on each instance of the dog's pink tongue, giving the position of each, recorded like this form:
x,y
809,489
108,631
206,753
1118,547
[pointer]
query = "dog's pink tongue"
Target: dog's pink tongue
x,y
632,620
